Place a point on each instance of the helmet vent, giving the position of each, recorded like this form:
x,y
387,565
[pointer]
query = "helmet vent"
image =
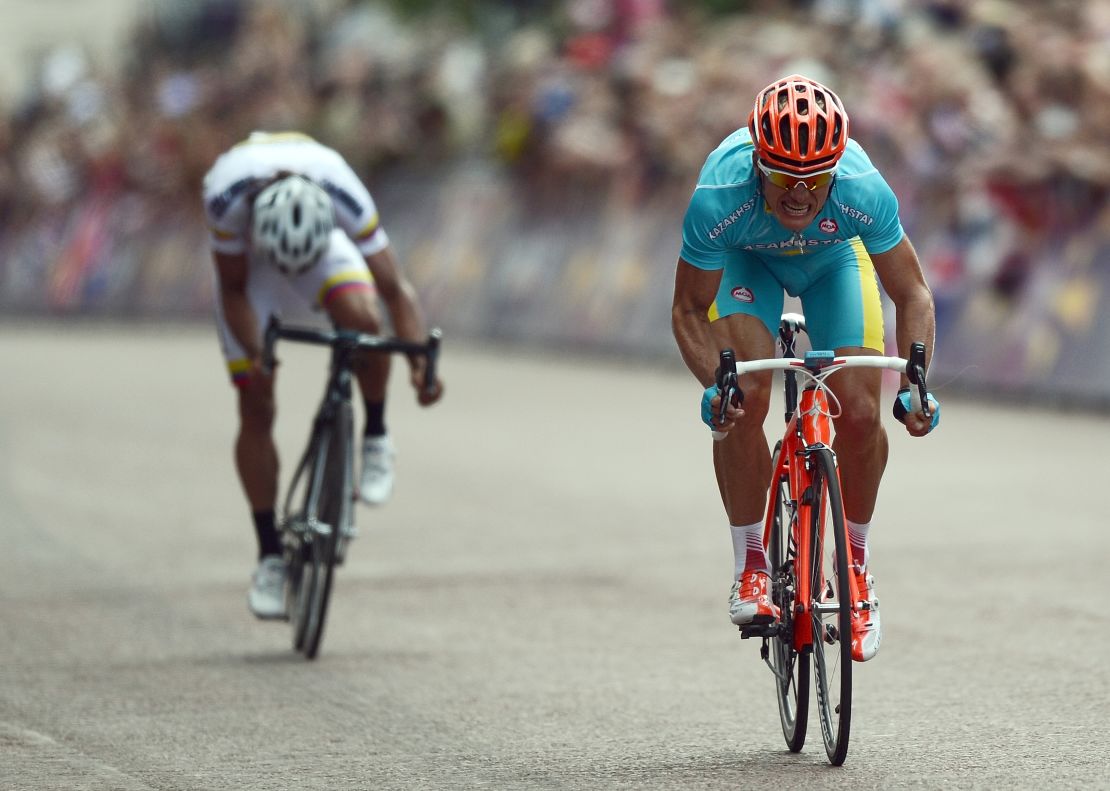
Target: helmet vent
x,y
784,134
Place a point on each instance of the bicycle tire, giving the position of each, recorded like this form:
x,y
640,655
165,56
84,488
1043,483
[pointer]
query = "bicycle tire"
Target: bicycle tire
x,y
301,581
832,625
302,567
300,589
790,665
304,564
333,509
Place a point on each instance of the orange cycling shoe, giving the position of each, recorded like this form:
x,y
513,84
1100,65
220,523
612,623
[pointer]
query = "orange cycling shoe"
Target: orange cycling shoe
x,y
750,600
867,631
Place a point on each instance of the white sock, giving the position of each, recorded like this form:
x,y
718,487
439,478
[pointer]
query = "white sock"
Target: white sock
x,y
747,548
857,537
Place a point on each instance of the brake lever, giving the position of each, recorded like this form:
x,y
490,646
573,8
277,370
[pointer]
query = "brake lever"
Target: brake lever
x,y
915,372
727,384
431,360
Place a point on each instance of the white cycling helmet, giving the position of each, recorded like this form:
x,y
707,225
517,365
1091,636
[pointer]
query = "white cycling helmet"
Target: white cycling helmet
x,y
293,221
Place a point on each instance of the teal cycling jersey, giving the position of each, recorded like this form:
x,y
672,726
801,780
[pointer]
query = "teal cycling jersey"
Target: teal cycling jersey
x,y
727,212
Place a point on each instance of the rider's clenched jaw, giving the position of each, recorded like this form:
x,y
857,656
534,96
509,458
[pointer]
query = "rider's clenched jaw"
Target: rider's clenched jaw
x,y
795,207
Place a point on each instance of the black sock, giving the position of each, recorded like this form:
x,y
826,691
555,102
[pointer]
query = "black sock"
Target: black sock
x,y
375,419
266,530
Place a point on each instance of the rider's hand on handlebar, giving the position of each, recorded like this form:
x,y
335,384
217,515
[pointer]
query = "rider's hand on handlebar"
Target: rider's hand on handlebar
x,y
916,423
424,396
711,409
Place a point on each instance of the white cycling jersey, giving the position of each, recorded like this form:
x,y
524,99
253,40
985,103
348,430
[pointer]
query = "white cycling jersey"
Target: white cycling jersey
x,y
229,190
240,173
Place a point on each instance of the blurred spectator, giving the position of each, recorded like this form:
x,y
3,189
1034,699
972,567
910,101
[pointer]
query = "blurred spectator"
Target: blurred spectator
x,y
989,116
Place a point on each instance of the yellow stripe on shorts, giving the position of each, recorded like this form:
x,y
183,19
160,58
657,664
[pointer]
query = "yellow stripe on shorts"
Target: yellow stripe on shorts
x,y
870,301
352,278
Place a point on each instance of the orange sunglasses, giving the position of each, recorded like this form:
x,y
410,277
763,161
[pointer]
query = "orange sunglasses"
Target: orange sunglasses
x,y
789,181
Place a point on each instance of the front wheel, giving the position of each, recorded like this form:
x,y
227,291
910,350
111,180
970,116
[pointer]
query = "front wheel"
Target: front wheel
x,y
302,587
791,667
831,607
333,502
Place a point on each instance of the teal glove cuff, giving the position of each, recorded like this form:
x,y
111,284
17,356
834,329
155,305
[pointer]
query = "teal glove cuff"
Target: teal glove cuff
x,y
902,406
707,407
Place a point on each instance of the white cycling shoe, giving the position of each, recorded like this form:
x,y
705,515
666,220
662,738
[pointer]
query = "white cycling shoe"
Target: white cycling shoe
x,y
266,598
376,484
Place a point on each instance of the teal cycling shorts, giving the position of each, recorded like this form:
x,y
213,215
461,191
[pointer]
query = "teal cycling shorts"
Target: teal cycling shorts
x,y
838,289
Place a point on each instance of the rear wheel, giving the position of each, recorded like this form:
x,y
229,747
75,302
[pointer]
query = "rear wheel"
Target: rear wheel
x,y
831,609
791,666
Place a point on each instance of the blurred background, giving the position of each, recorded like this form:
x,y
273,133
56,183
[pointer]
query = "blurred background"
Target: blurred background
x,y
532,159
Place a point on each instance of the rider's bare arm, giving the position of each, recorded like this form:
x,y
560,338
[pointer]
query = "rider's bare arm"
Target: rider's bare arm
x,y
400,300
398,295
231,270
899,270
694,292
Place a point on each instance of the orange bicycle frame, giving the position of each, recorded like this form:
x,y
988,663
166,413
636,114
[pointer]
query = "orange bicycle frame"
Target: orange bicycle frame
x,y
809,427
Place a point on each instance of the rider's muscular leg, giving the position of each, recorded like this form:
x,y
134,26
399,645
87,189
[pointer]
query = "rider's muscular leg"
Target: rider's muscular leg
x,y
358,310
742,459
256,457
861,442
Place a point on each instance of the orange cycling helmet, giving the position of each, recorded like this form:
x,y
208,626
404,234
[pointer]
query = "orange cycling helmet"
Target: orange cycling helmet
x,y
798,126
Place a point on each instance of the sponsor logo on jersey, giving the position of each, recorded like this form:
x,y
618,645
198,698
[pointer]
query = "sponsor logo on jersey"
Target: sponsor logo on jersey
x,y
828,225
743,294
790,245
856,214
741,210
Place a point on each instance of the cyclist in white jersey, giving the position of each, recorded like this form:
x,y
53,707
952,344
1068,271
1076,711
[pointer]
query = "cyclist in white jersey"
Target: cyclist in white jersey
x,y
792,204
293,232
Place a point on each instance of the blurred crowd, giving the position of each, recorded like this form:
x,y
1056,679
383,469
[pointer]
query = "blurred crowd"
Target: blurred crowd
x,y
989,117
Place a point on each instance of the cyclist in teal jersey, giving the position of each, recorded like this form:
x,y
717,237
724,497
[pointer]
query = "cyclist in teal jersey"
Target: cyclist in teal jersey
x,y
791,204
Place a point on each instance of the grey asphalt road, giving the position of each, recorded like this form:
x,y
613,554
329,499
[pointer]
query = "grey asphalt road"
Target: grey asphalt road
x,y
542,604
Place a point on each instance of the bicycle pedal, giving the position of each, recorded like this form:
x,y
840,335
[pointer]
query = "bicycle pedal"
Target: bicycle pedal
x,y
759,630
